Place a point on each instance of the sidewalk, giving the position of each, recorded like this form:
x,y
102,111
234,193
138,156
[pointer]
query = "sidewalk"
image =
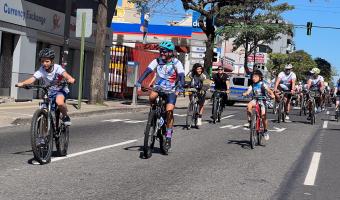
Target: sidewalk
x,y
15,113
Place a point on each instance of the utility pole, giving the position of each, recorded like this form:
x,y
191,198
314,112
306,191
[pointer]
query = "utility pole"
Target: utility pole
x,y
68,10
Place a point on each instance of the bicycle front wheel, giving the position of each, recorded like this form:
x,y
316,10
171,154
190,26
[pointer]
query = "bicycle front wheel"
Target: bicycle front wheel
x,y
215,110
190,114
149,136
253,130
41,137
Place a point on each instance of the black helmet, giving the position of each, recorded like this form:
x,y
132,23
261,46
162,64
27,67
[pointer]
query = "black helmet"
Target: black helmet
x,y
259,73
47,53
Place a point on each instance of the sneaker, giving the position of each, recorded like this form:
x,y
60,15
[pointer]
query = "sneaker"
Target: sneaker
x,y
167,144
247,125
287,117
266,135
199,121
40,141
67,120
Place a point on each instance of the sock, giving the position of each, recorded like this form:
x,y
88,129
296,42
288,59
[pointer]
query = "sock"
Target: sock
x,y
168,132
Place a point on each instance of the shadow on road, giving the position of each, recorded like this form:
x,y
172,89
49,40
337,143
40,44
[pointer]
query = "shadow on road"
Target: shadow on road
x,y
156,150
243,143
23,152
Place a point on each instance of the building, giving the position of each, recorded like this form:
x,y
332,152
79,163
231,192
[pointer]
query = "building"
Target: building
x,y
28,26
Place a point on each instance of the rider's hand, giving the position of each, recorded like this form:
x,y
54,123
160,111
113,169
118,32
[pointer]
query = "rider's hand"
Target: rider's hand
x,y
20,85
228,91
293,92
71,80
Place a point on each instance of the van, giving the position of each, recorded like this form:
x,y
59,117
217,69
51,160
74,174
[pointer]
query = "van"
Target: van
x,y
238,85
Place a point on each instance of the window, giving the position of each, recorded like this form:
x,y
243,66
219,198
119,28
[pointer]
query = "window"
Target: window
x,y
238,81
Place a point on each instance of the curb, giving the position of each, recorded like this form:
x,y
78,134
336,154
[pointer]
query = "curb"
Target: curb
x,y
26,121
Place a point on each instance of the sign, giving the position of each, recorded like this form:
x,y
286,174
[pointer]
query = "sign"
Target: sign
x,y
193,61
198,49
195,22
197,55
259,58
88,22
131,73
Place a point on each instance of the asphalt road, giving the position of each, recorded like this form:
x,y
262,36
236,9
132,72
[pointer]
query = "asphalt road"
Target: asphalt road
x,y
213,162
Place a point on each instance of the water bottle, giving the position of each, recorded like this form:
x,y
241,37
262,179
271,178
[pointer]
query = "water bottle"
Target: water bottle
x,y
212,87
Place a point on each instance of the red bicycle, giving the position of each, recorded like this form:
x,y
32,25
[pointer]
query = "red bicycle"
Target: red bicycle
x,y
256,125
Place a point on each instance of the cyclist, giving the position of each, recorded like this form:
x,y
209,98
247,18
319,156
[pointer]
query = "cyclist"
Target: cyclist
x,y
197,77
337,95
222,82
259,88
169,79
316,83
52,74
285,81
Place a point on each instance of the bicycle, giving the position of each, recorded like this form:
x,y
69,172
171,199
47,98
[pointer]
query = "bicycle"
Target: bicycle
x,y
156,126
256,124
337,114
192,112
217,106
312,105
281,114
46,125
303,103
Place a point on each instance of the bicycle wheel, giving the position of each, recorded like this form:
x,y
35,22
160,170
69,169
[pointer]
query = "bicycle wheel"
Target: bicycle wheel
x,y
41,137
215,109
274,107
161,136
190,114
61,142
302,106
253,130
312,113
219,111
195,115
279,114
337,115
259,134
149,137
283,113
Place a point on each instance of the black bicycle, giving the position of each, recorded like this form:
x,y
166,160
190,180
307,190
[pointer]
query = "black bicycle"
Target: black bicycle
x,y
46,125
281,114
311,95
156,126
303,103
218,105
192,112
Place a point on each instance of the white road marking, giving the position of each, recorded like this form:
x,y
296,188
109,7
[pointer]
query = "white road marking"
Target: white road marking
x,y
325,124
276,129
226,117
313,169
180,115
235,127
227,126
93,150
327,112
135,121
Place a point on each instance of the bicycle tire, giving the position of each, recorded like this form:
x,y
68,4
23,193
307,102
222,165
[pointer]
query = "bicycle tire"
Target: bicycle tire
x,y
337,116
312,120
215,107
279,110
161,136
253,131
219,111
302,105
41,153
62,141
283,113
195,114
189,116
149,135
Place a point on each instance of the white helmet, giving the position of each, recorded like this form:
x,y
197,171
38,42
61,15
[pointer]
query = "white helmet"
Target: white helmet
x,y
289,66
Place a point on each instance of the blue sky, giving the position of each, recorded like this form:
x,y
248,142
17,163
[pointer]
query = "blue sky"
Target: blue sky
x,y
324,43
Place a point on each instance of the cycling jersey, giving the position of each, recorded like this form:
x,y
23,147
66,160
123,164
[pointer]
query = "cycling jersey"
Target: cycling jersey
x,y
316,82
52,77
220,81
259,88
197,80
166,73
287,80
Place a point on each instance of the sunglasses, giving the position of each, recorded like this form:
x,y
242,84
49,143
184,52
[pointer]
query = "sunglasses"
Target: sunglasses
x,y
164,50
220,69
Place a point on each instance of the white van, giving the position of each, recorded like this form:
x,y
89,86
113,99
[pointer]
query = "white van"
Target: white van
x,y
238,85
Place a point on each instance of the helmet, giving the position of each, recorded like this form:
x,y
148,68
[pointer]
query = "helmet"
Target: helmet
x,y
259,73
289,66
167,45
315,70
47,53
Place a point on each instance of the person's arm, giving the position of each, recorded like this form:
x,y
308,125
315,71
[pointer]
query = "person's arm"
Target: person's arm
x,y
68,77
248,91
309,83
293,86
26,82
270,92
278,80
152,66
180,72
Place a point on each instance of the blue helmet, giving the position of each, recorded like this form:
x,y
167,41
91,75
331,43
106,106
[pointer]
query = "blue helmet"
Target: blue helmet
x,y
167,45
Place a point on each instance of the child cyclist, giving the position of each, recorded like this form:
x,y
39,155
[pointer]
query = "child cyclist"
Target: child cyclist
x,y
259,88
50,72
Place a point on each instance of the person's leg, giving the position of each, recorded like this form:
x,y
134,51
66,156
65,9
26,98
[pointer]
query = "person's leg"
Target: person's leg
x,y
250,107
201,109
170,106
152,97
265,122
60,101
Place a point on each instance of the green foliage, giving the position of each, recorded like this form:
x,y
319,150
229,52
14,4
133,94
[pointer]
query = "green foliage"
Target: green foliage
x,y
327,71
301,61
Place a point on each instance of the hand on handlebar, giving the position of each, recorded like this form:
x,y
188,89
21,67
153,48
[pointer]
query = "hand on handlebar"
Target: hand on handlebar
x,y
19,85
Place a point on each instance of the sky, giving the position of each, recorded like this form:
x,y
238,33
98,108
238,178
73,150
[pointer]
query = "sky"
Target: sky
x,y
324,43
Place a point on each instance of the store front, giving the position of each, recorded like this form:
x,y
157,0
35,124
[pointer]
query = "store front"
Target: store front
x,y
25,29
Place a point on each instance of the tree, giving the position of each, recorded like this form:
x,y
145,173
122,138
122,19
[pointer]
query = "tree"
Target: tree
x,y
301,61
327,71
97,78
208,10
252,23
